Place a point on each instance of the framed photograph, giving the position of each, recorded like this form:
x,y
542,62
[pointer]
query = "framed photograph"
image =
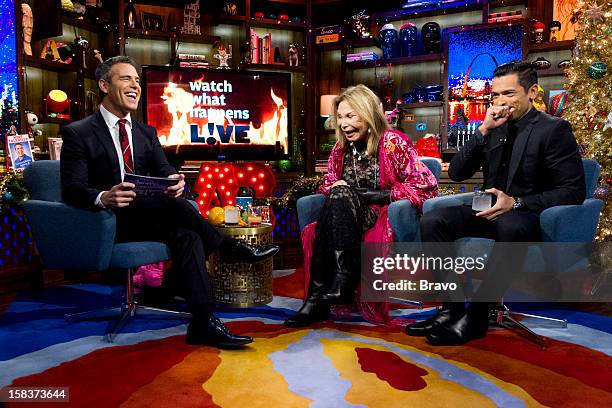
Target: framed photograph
x,y
152,21
473,53
55,147
20,151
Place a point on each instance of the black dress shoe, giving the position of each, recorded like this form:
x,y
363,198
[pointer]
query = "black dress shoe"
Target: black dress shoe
x,y
214,333
240,251
448,312
467,328
312,311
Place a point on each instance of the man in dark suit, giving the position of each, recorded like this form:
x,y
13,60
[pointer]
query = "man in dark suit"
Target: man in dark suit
x,y
96,154
530,161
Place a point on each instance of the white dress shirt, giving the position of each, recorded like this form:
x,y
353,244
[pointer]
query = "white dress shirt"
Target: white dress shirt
x,y
112,122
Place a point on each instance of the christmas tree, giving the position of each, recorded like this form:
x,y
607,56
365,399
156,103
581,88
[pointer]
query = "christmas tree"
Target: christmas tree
x,y
590,86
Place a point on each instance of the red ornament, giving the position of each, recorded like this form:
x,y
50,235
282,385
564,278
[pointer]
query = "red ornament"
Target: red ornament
x,y
283,17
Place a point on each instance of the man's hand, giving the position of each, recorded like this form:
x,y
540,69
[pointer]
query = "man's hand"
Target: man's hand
x,y
504,204
120,195
339,183
176,190
495,117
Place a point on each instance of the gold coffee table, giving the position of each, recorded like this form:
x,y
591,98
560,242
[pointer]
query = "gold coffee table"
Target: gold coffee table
x,y
242,284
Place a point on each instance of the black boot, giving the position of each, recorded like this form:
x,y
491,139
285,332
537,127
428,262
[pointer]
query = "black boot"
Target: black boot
x,y
473,325
346,277
450,311
314,309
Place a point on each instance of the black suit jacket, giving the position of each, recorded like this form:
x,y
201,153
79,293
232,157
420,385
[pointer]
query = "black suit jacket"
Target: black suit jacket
x,y
545,167
89,162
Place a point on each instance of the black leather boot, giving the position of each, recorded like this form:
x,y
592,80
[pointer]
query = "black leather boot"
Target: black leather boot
x,y
315,308
449,312
346,277
473,325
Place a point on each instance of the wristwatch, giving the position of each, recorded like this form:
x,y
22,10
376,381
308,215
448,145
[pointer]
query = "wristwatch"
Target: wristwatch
x,y
519,204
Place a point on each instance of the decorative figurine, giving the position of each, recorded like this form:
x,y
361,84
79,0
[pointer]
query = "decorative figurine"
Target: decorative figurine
x,y
430,35
538,29
28,26
191,18
230,8
408,40
554,27
538,102
360,23
222,55
293,55
389,40
541,63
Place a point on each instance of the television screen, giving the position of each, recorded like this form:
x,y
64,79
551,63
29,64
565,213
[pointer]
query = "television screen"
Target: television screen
x,y
218,114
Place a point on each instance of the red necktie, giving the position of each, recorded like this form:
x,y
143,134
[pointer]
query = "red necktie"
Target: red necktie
x,y
128,164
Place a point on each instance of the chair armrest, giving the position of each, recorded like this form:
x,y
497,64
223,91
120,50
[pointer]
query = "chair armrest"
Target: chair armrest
x,y
70,238
404,221
308,209
447,201
571,223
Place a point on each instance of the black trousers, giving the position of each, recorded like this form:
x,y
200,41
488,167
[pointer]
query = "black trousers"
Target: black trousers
x,y
190,237
451,223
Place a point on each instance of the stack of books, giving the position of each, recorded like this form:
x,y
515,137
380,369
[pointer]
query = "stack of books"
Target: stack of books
x,y
261,48
192,60
505,16
362,56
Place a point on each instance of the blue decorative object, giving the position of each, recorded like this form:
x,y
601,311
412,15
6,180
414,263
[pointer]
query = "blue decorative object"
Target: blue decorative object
x,y
597,70
9,93
430,35
8,196
389,41
408,40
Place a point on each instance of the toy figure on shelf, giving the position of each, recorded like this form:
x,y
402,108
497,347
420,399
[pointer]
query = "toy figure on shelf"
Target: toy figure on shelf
x,y
430,36
293,55
222,55
538,29
555,29
28,26
538,102
389,40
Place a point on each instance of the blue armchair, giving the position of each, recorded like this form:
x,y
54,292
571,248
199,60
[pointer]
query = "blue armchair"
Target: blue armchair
x,y
564,223
73,239
402,216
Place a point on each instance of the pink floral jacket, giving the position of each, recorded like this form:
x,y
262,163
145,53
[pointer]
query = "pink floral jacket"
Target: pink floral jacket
x,y
401,171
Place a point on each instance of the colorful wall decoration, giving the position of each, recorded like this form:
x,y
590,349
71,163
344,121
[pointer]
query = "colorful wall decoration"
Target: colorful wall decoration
x,y
9,92
473,54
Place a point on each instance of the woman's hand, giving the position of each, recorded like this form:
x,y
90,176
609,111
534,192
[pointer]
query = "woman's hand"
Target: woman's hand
x,y
339,183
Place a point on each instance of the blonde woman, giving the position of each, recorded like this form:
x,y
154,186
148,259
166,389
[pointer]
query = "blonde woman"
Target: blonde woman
x,y
369,167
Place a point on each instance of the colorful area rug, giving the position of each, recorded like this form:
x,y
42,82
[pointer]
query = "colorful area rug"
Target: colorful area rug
x,y
338,364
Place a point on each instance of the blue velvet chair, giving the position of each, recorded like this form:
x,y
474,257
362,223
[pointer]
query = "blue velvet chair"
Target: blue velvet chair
x,y
69,238
564,223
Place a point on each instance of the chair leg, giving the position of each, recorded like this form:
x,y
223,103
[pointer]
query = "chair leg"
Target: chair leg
x,y
93,314
128,311
154,311
129,307
416,303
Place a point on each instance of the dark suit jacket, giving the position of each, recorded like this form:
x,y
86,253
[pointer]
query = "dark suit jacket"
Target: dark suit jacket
x,y
89,162
545,167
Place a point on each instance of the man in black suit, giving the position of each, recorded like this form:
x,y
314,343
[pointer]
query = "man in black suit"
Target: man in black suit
x,y
100,149
530,162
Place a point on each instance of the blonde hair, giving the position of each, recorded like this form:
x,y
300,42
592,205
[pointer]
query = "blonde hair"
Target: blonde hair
x,y
366,104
